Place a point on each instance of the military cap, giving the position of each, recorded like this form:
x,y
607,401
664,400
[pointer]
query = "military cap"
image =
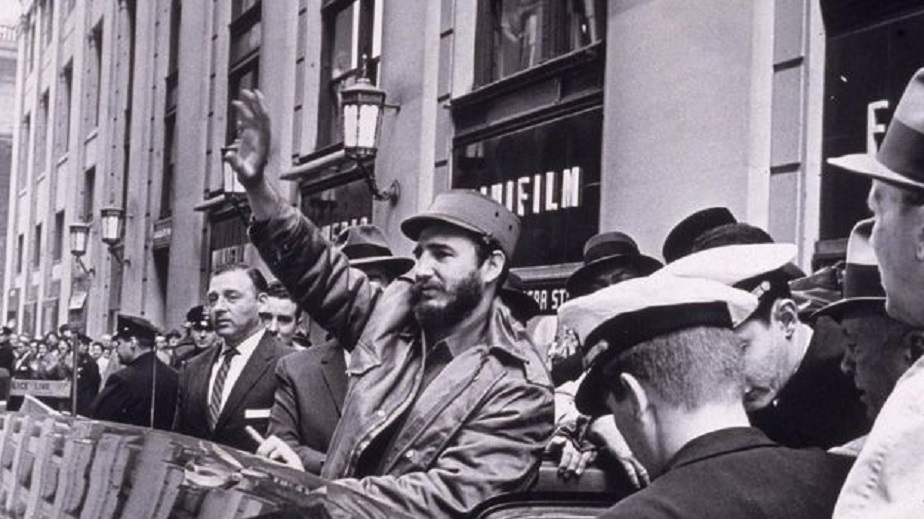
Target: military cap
x,y
758,268
900,158
366,246
679,241
197,319
129,326
862,280
472,211
619,317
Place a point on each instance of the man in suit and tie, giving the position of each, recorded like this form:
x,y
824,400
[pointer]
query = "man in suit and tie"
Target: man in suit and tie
x,y
312,384
231,385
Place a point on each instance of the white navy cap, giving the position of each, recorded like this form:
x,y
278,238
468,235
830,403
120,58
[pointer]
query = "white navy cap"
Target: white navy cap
x,y
617,318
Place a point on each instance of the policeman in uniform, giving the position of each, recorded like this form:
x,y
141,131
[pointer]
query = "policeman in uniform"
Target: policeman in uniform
x,y
144,391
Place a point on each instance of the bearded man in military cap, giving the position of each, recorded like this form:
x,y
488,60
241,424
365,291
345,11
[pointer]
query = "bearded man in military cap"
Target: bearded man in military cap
x,y
448,402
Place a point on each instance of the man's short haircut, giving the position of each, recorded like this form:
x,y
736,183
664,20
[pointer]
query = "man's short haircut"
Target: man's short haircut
x,y
257,277
688,368
278,290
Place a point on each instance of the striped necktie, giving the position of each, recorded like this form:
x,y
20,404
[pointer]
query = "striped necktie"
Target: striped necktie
x,y
219,385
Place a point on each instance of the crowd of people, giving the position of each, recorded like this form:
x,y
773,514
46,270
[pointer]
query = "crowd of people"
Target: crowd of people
x,y
724,381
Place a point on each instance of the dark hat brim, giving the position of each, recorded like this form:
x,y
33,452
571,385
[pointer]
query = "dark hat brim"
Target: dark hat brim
x,y
520,302
867,166
837,309
395,265
580,278
590,396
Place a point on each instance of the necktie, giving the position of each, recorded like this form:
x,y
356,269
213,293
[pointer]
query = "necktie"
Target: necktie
x,y
218,387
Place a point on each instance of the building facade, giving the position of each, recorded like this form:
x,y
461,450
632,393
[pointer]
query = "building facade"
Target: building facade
x,y
580,115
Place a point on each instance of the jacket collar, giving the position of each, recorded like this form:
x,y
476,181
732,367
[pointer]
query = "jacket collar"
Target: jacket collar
x,y
717,443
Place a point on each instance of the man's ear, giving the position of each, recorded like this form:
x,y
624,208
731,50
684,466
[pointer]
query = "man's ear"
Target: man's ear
x,y
786,313
635,394
261,298
914,346
493,266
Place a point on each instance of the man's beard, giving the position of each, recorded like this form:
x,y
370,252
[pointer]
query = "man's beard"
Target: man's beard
x,y
462,300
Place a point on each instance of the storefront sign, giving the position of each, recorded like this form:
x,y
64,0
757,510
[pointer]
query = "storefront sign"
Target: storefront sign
x,y
549,174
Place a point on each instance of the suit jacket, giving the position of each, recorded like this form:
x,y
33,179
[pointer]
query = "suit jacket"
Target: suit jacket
x,y
738,472
310,388
126,398
248,403
819,406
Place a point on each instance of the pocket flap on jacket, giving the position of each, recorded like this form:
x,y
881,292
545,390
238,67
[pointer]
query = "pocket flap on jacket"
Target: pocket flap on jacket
x,y
362,359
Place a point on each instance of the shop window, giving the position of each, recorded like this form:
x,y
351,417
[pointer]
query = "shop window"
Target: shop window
x,y
30,44
89,188
166,193
244,56
58,244
48,10
41,135
95,74
20,252
63,117
24,137
352,32
870,54
37,247
515,35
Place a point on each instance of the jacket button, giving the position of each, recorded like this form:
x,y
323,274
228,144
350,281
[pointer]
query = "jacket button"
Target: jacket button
x,y
410,454
380,414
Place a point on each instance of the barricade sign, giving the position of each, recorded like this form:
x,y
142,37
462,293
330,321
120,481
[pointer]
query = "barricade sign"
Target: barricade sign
x,y
44,388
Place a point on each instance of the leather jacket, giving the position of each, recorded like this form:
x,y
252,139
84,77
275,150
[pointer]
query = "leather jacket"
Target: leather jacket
x,y
479,428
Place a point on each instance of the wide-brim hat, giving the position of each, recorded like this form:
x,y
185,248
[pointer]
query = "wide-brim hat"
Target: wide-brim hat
x,y
365,246
679,241
513,294
472,211
862,280
605,251
617,318
900,158
817,290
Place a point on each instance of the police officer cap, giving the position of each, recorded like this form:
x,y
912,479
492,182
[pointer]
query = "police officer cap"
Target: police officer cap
x,y
619,317
197,319
129,326
471,211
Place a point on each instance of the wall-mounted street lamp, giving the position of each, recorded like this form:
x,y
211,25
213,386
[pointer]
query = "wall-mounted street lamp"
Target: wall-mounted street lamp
x,y
79,234
112,224
231,187
363,104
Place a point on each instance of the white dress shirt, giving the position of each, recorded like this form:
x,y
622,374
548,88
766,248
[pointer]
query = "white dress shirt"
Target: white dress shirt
x,y
244,351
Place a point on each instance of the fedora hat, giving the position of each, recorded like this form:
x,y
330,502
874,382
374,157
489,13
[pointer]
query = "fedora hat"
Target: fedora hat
x,y
862,281
608,250
817,290
900,159
365,246
679,241
513,294
472,211
620,317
